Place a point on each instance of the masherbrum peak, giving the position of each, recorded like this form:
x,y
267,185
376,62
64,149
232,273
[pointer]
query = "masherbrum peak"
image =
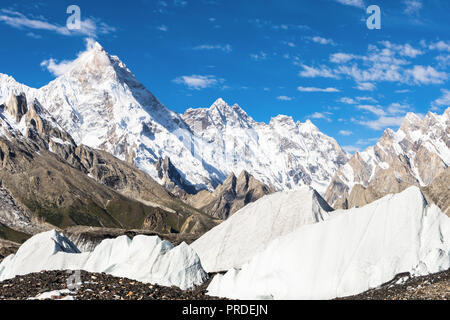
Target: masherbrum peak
x,y
101,104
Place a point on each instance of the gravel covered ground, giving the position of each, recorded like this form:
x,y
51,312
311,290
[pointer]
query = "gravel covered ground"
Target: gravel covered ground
x,y
431,287
94,286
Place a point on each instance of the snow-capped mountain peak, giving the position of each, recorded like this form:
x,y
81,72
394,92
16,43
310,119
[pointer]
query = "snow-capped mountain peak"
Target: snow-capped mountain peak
x,y
101,104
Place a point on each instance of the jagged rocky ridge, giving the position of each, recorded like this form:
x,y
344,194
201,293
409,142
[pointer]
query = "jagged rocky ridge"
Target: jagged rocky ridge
x,y
234,194
414,155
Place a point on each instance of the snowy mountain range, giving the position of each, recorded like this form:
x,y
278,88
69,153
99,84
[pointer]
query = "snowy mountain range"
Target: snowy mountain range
x,y
414,155
100,103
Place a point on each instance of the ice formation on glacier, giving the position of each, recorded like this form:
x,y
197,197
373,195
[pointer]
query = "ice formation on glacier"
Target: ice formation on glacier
x,y
146,259
355,250
247,232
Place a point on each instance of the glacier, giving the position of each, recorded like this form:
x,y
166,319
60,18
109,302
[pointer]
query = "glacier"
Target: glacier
x,y
248,232
146,259
353,251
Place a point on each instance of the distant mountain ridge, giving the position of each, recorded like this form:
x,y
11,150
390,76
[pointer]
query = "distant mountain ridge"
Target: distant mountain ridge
x,y
414,155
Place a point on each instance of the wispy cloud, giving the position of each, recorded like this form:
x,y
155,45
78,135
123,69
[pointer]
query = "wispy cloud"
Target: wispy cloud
x,y
284,98
259,56
388,62
313,72
225,48
321,115
345,133
91,27
354,3
412,6
59,68
313,89
323,41
163,28
382,122
393,115
443,101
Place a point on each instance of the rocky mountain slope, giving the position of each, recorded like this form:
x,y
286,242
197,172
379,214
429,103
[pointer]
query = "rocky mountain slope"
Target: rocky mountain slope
x,y
101,104
48,180
234,194
414,155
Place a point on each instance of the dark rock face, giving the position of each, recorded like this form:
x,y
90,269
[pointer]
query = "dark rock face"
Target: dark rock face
x,y
232,195
17,106
172,179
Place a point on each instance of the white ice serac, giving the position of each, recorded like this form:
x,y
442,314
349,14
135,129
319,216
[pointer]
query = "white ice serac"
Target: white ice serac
x,y
146,259
353,251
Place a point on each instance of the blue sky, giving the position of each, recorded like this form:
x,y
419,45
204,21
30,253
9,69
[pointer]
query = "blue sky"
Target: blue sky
x,y
311,59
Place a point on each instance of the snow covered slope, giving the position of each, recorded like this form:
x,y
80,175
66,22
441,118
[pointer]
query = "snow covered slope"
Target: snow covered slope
x,y
146,259
101,104
283,154
248,232
414,155
354,251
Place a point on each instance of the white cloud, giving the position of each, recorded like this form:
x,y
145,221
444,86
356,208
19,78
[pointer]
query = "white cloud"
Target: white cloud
x,y
376,110
321,115
347,100
225,48
402,91
354,3
426,75
341,57
444,100
313,89
163,28
403,50
91,27
382,122
197,82
412,6
259,56
55,68
387,62
345,133
284,98
59,68
443,60
366,99
441,46
323,41
322,71
365,86
396,108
